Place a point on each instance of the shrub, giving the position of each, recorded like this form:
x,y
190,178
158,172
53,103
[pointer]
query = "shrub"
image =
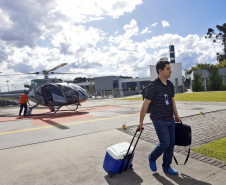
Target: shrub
x,y
197,83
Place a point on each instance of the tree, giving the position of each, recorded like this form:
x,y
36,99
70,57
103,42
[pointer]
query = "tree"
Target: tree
x,y
220,36
215,80
200,66
221,64
80,80
91,89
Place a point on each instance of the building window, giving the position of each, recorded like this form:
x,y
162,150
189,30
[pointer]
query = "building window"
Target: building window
x,y
115,84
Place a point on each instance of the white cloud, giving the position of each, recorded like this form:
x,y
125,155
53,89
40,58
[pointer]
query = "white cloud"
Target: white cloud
x,y
5,21
165,24
154,24
76,39
145,31
131,29
88,10
120,56
189,50
27,21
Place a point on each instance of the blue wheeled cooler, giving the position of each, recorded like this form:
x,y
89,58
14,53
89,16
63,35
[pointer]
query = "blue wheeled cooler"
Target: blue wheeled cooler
x,y
115,156
119,157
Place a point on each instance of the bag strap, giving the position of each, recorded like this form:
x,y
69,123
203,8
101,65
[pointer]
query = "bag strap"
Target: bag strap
x,y
185,159
156,87
187,156
156,84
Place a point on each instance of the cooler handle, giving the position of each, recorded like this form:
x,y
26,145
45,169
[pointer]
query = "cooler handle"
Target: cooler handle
x,y
129,149
134,146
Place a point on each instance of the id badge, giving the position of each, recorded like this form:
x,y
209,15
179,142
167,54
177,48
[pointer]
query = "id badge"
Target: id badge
x,y
167,101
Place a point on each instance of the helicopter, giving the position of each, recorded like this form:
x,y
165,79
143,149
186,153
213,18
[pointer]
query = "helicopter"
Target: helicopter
x,y
52,92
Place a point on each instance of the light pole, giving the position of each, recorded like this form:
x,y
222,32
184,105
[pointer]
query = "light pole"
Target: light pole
x,y
7,81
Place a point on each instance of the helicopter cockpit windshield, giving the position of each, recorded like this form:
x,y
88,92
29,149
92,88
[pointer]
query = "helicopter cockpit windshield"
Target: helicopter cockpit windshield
x,y
69,92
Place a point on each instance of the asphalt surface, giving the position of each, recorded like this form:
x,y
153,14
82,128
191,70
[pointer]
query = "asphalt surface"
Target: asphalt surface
x,y
69,147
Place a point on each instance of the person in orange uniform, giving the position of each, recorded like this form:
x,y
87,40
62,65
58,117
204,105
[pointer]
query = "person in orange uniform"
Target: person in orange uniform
x,y
23,103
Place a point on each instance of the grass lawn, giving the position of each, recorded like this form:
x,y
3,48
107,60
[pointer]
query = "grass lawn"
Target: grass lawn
x,y
3,99
219,96
216,149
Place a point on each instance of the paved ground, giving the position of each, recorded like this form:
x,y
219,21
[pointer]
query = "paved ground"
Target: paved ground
x,y
69,148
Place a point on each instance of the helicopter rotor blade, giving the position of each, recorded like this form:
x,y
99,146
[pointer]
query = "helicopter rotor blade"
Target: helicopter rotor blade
x,y
65,73
36,73
57,67
45,72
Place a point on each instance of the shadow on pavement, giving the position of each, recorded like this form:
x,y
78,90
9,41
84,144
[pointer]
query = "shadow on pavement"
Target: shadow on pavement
x,y
127,177
50,122
182,179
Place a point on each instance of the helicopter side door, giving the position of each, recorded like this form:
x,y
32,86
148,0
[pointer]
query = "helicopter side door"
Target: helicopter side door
x,y
47,94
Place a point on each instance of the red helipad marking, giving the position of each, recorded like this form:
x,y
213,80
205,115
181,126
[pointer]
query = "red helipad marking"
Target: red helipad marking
x,y
59,117
4,119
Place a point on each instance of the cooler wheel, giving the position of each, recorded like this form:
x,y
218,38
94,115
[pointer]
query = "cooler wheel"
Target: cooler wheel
x,y
131,166
110,174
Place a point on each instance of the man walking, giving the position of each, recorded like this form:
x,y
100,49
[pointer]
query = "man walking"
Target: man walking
x,y
23,103
163,108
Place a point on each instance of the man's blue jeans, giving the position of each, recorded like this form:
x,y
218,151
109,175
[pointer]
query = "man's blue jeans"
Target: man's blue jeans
x,y
166,134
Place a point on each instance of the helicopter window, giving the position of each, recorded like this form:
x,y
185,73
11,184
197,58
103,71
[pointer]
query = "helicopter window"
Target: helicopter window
x,y
76,93
83,93
56,90
68,92
74,86
38,91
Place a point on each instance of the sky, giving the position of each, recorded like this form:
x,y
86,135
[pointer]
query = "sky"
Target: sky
x,y
103,37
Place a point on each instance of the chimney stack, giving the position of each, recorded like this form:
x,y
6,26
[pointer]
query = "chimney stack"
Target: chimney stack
x,y
172,54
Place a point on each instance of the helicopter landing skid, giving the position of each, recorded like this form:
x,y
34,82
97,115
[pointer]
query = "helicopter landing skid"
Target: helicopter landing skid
x,y
77,106
56,110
